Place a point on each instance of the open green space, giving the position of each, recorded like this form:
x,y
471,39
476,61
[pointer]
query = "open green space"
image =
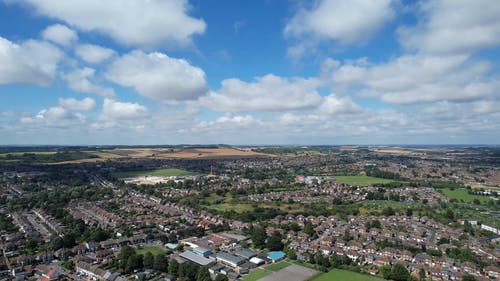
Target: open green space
x,y
278,266
155,250
361,180
159,173
341,275
256,274
462,194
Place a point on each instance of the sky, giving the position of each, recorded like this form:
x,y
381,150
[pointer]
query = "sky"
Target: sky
x,y
322,72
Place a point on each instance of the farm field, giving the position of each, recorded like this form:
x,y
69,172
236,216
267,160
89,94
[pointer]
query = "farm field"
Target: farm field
x,y
155,250
256,274
462,194
158,173
340,275
361,180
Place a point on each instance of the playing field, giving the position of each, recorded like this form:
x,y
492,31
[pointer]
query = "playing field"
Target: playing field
x,y
462,194
155,250
341,275
292,272
256,274
361,180
278,266
158,173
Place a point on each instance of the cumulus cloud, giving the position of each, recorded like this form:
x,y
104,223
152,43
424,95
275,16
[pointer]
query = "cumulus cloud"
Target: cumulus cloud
x,y
158,76
80,80
60,34
420,78
85,104
346,21
333,104
54,117
150,23
93,54
266,93
454,26
31,62
115,110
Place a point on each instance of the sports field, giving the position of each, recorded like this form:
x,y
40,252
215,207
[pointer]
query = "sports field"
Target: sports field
x,y
361,180
462,194
341,275
155,250
256,274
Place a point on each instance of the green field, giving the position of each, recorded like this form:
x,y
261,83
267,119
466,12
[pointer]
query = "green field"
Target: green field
x,y
462,194
159,173
361,180
341,275
256,274
278,266
155,250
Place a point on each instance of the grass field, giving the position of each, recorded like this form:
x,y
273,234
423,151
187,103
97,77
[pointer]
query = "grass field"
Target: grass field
x,y
256,274
159,173
278,266
462,194
361,180
340,275
152,249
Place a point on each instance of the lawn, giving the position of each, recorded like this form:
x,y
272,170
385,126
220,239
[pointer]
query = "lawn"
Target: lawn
x,y
239,207
256,275
278,266
361,180
462,194
155,250
159,173
340,275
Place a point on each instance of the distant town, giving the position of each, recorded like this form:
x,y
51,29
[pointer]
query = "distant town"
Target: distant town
x,y
265,213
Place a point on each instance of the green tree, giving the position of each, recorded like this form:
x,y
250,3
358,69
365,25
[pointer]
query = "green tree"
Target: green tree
x,y
468,278
385,270
258,236
409,212
399,273
148,260
203,274
173,267
421,274
160,263
274,242
309,229
388,211
221,277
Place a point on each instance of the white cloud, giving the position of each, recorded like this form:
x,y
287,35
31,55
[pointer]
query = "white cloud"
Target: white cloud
x,y
348,21
266,93
60,34
54,117
80,80
420,78
454,26
31,62
85,104
149,23
333,104
115,110
158,76
93,53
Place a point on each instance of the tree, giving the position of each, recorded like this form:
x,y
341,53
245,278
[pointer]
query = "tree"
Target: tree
x,y
160,263
399,273
409,212
203,274
421,274
173,267
221,277
388,212
468,278
309,229
259,236
148,260
385,270
274,242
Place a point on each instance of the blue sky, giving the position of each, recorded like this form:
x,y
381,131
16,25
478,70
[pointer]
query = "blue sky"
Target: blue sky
x,y
249,72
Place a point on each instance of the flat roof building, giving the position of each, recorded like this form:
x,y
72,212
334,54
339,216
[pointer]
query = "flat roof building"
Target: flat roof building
x,y
246,253
230,259
190,256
